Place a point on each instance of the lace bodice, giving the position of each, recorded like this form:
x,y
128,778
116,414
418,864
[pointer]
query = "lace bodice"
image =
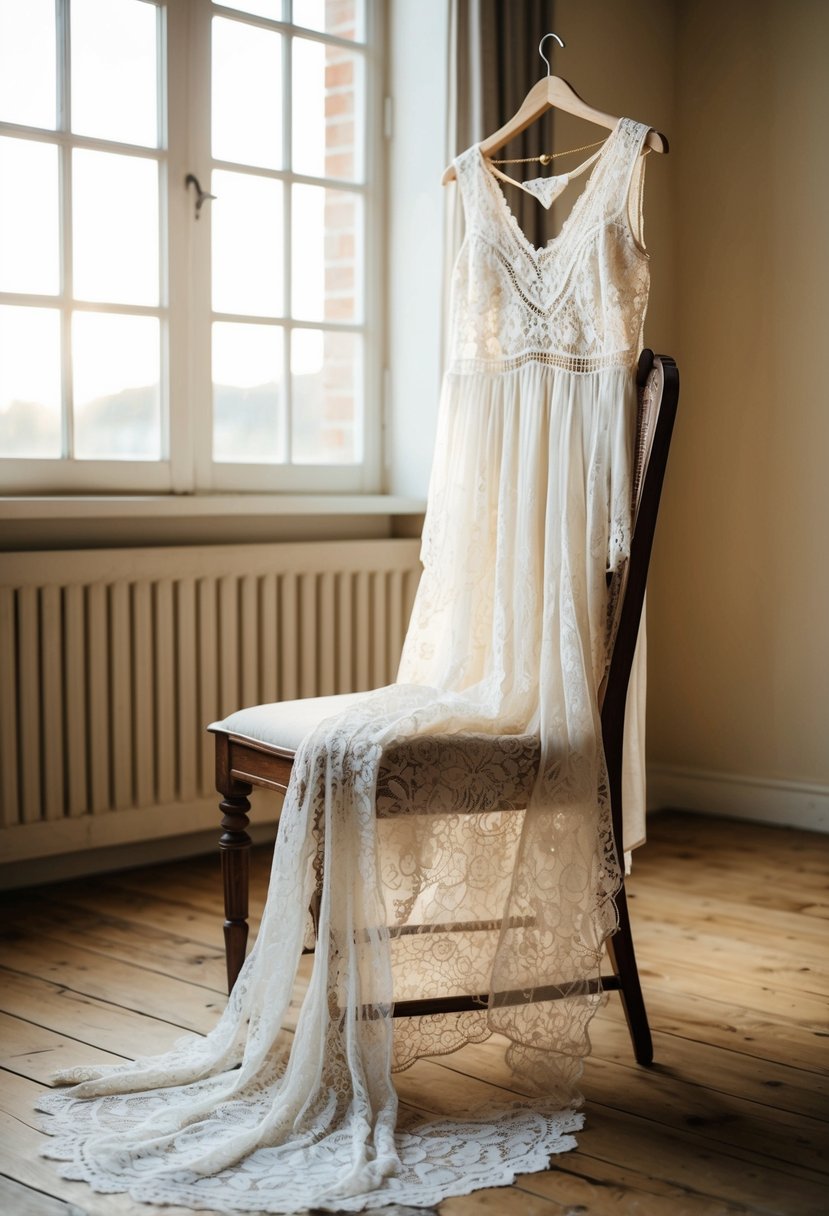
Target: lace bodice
x,y
578,303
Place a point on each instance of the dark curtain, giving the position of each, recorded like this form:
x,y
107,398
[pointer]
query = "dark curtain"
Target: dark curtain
x,y
495,47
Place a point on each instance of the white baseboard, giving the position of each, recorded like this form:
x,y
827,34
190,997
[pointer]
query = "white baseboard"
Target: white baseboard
x,y
108,860
52,851
791,804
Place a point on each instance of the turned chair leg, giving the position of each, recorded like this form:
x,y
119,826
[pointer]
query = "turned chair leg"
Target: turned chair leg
x,y
623,960
234,844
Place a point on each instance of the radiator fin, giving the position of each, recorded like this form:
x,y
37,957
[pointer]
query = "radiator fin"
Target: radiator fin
x,y
113,662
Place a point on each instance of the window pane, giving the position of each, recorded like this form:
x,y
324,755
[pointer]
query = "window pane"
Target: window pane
x,y
259,8
247,94
117,387
326,382
247,244
248,393
326,249
27,62
345,18
30,415
115,223
29,232
327,111
114,70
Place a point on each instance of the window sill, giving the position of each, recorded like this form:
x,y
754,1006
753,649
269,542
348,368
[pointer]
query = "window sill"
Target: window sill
x,y
202,506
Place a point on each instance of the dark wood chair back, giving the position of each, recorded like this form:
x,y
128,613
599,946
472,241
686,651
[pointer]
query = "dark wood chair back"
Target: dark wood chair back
x,y
658,395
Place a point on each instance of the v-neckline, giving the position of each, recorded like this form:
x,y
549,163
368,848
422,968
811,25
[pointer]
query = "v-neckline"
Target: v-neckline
x,y
503,202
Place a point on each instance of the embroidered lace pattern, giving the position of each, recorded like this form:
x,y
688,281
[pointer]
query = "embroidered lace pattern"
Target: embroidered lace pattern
x,y
456,825
578,303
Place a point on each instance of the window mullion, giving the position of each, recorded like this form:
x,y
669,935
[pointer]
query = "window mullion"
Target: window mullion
x,y
287,221
64,124
370,261
179,294
165,243
197,233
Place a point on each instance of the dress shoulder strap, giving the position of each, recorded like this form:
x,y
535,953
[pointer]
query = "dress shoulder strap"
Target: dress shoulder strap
x,y
623,176
467,172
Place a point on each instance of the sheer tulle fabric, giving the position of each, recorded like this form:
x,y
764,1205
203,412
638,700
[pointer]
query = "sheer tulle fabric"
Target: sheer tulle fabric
x,y
467,891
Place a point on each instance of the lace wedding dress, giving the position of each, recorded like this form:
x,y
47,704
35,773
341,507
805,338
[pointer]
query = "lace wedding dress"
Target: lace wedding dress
x,y
462,891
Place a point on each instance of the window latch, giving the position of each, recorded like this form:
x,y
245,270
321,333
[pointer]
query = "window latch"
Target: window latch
x,y
202,196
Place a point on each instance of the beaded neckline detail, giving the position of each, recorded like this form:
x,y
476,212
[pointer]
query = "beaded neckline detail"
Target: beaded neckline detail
x,y
529,187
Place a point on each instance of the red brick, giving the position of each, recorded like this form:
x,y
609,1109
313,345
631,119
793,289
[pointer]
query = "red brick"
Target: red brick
x,y
339,245
340,12
340,211
339,74
339,278
339,133
339,103
339,164
339,310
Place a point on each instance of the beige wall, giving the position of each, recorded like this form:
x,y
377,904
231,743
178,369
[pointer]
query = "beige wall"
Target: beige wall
x,y
737,221
741,581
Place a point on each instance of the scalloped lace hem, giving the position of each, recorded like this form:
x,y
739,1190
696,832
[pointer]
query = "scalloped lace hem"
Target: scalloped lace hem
x,y
439,1158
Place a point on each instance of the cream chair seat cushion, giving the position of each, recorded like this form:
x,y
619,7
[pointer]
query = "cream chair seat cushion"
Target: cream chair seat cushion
x,y
286,723
430,774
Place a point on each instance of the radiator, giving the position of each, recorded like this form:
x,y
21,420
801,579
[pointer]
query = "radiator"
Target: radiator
x,y
112,662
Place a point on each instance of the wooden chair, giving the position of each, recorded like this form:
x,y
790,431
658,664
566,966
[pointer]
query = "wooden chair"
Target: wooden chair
x,y
256,747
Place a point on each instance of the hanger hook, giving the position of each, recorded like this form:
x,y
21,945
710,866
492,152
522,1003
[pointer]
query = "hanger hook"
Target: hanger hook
x,y
541,53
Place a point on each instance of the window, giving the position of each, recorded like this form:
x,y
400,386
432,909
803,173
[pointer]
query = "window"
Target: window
x,y
154,338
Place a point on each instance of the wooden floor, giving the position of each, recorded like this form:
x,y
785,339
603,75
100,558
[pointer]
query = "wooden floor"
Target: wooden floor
x,y
730,922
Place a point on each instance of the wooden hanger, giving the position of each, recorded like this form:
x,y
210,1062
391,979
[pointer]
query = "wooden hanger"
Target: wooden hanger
x,y
552,92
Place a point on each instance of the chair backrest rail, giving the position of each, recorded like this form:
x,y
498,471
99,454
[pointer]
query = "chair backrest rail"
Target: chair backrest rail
x,y
653,443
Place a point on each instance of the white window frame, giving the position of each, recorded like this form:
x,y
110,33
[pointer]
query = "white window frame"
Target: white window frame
x,y
187,466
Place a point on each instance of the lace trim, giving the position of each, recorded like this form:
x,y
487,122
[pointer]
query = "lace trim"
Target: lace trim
x,y
581,295
581,364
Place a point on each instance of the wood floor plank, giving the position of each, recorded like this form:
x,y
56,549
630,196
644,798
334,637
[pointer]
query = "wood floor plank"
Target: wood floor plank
x,y
623,1139
21,1162
23,1201
89,1020
36,1053
502,1202
131,986
768,887
659,970
164,952
749,840
668,905
778,1086
604,1189
762,899
717,954
202,928
725,1024
804,969
734,1173
672,1101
